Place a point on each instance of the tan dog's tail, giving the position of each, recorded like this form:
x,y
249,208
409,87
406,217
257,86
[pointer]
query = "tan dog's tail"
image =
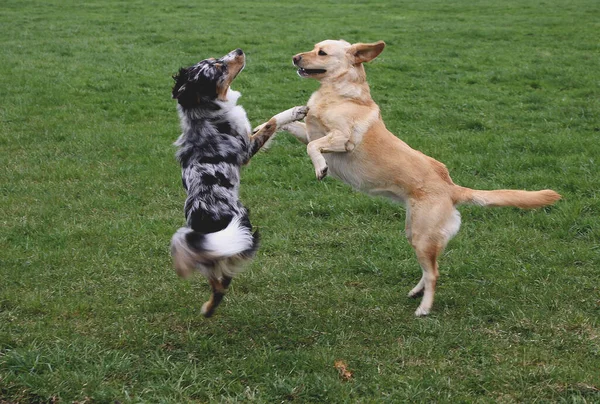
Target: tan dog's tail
x,y
506,197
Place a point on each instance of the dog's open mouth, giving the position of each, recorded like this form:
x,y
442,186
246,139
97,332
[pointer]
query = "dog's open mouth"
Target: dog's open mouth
x,y
309,72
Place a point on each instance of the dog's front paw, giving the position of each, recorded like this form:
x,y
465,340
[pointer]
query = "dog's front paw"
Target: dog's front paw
x,y
321,173
299,112
258,128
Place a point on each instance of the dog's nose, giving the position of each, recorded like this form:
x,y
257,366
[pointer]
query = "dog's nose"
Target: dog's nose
x,y
239,52
297,59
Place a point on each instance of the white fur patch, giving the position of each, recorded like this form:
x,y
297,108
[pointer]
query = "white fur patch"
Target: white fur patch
x,y
235,114
452,226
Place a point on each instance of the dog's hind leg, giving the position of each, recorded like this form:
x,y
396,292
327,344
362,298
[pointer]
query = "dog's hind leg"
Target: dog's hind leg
x,y
427,254
218,291
226,281
432,225
418,289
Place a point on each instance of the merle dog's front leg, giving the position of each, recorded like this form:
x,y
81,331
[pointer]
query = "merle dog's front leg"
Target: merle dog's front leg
x,y
266,130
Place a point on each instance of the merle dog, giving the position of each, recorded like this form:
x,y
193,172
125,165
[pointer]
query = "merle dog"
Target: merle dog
x,y
216,141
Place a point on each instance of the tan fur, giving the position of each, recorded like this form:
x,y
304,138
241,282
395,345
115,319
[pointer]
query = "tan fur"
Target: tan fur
x,y
347,138
234,67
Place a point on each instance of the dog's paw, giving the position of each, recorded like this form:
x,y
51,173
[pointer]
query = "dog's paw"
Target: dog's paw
x,y
258,128
413,294
299,112
422,312
269,127
207,309
321,173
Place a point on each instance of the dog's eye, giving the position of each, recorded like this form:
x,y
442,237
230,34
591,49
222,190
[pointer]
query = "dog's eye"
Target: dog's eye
x,y
321,53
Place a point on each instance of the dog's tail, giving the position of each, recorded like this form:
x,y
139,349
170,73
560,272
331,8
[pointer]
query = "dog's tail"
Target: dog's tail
x,y
190,248
506,197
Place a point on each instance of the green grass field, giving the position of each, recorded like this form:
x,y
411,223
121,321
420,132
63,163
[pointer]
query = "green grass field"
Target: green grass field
x,y
506,94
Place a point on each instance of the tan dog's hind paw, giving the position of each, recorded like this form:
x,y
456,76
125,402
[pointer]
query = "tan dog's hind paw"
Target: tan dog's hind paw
x,y
321,173
422,312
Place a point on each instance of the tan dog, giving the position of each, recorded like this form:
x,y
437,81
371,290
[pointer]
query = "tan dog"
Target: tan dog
x,y
346,136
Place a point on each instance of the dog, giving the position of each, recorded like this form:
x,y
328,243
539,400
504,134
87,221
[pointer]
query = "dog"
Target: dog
x,y
346,137
215,142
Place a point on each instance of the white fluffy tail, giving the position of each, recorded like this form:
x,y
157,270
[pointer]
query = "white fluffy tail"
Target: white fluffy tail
x,y
232,240
191,249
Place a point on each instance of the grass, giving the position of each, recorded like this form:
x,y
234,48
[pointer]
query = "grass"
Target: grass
x,y
506,94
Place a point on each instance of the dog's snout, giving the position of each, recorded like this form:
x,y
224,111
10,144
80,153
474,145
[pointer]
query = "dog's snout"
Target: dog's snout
x,y
239,52
297,59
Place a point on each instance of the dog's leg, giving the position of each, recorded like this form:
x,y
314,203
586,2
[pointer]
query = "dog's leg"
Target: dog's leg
x,y
334,142
430,228
260,137
218,291
266,130
418,289
298,129
427,256
226,281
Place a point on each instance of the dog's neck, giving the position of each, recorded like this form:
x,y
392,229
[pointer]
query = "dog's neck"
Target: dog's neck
x,y
203,112
351,84
228,111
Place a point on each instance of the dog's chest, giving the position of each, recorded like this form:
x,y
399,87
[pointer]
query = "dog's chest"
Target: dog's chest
x,y
318,121
239,120
315,128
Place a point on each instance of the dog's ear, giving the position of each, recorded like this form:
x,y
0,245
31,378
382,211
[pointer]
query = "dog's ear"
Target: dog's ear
x,y
365,52
181,79
183,91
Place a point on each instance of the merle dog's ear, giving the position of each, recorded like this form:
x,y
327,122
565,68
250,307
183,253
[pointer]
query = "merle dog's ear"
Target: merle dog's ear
x,y
184,91
180,80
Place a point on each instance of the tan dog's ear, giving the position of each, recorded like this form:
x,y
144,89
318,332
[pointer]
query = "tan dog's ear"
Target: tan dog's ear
x,y
365,52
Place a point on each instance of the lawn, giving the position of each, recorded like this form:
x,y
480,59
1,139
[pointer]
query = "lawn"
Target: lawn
x,y
506,94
